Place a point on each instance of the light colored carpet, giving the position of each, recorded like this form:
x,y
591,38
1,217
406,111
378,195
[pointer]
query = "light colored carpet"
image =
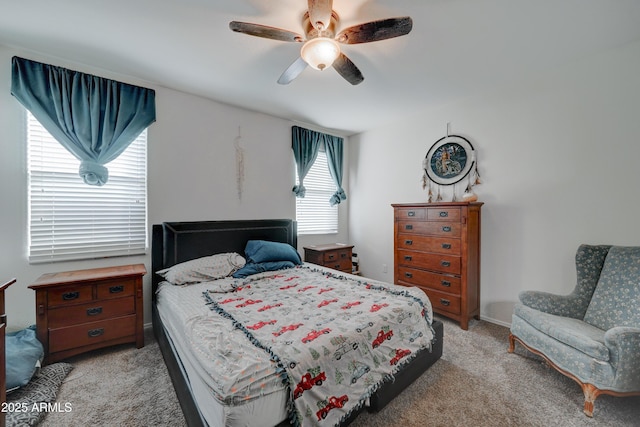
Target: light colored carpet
x,y
476,383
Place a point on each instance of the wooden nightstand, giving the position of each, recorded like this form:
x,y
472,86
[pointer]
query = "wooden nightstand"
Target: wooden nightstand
x,y
82,310
335,255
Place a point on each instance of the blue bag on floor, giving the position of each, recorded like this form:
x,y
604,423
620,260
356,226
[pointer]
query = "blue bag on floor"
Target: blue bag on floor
x,y
24,353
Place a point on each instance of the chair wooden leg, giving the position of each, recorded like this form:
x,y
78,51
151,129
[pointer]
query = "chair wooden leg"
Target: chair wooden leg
x,y
512,343
591,393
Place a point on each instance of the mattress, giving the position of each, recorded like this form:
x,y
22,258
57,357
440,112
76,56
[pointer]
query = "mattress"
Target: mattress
x,y
233,381
216,389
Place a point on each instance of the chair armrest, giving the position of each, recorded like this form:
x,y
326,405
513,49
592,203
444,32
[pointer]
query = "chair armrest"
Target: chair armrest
x,y
559,305
623,343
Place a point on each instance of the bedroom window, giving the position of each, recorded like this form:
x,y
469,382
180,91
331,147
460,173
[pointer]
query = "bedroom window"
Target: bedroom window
x,y
70,220
314,213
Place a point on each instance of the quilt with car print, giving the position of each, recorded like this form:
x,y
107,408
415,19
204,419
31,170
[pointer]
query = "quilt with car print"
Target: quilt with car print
x,y
334,338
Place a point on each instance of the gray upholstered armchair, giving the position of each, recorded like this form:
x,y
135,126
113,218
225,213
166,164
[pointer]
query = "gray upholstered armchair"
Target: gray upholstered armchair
x,y
593,334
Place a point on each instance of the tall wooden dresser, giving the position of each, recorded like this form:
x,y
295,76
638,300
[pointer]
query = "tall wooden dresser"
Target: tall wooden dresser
x,y
437,248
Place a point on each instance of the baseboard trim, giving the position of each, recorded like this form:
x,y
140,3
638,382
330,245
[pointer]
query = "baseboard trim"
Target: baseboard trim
x,y
496,321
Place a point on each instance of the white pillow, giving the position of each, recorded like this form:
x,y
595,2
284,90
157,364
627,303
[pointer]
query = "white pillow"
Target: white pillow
x,y
203,269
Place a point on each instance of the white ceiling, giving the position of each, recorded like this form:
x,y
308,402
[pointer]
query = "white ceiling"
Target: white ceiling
x,y
457,48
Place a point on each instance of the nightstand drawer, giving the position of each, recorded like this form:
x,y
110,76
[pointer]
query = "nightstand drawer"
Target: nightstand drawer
x,y
439,245
91,333
116,288
92,312
333,256
69,295
342,265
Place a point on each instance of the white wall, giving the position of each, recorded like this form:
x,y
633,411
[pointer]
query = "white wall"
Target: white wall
x,y
559,159
191,177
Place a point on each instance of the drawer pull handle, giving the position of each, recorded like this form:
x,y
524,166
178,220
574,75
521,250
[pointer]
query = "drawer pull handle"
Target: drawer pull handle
x,y
445,283
95,332
94,311
445,263
446,246
408,227
331,256
446,229
444,214
116,289
407,257
411,213
409,275
445,302
408,242
68,296
337,267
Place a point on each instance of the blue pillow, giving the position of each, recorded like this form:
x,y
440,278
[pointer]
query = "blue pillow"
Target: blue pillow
x,y
264,251
260,267
23,356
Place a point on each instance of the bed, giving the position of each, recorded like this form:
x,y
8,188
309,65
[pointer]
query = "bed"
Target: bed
x,y
174,243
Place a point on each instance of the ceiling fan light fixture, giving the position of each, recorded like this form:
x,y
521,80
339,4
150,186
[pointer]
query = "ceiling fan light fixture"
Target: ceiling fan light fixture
x,y
320,52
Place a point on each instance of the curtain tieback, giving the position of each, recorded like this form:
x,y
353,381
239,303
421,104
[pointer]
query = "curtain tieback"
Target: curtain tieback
x,y
93,173
337,197
300,191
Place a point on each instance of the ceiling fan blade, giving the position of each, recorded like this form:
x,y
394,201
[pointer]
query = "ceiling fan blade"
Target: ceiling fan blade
x,y
376,30
292,71
348,70
320,13
265,31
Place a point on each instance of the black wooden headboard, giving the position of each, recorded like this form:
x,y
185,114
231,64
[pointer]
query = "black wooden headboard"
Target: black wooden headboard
x,y
176,242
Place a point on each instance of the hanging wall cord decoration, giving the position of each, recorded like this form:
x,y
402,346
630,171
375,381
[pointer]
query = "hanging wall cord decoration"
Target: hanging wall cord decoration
x,y
239,164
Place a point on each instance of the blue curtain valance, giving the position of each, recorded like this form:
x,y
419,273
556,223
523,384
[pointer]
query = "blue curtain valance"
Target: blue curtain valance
x,y
94,118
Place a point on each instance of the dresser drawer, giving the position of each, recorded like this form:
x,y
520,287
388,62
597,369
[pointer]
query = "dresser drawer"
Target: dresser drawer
x,y
430,228
443,214
91,312
69,295
437,245
441,301
435,281
436,262
116,288
91,333
411,214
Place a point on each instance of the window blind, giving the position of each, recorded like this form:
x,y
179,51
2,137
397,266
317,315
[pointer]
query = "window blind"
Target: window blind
x,y
314,213
69,220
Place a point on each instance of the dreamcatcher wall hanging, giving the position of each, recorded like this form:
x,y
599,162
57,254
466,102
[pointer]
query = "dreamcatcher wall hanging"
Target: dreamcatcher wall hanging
x,y
450,161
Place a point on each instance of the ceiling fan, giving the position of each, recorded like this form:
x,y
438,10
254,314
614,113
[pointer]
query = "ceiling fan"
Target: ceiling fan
x,y
321,47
